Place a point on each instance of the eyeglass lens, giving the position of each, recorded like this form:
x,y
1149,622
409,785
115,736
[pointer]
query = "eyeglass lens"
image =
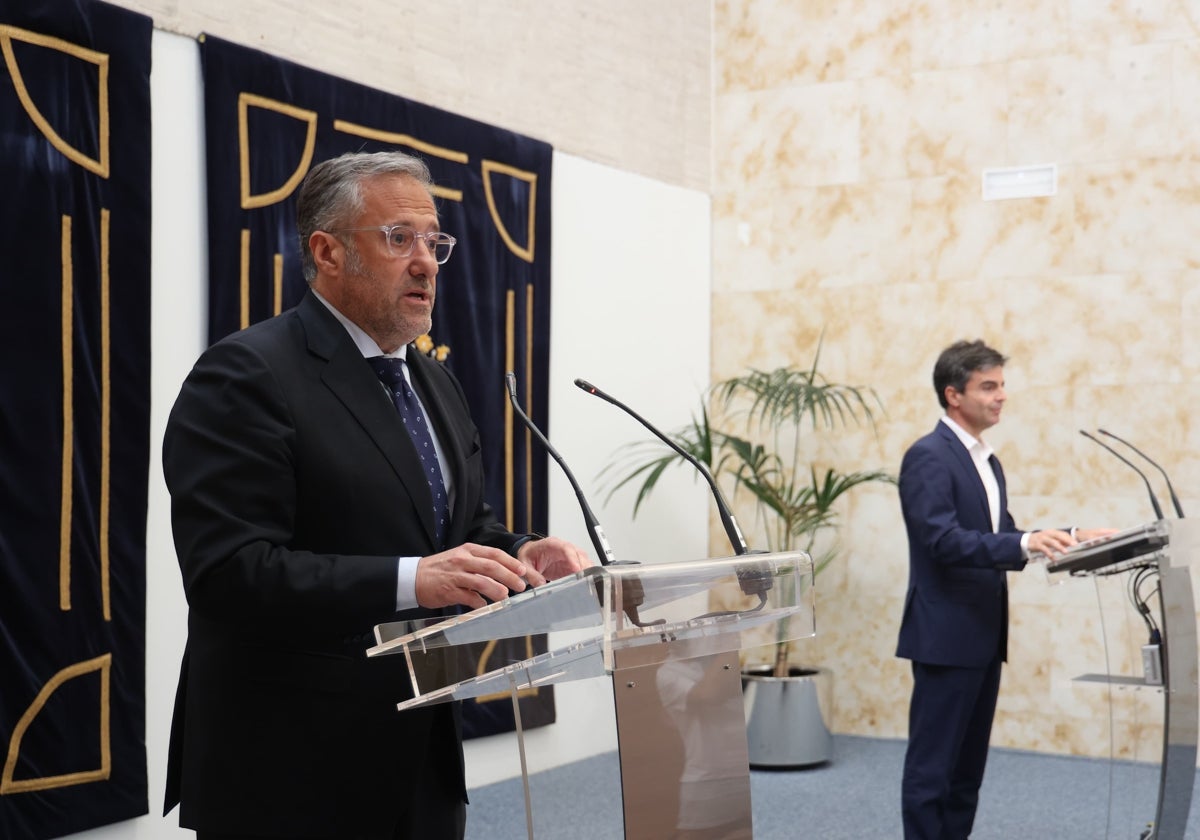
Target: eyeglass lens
x,y
404,239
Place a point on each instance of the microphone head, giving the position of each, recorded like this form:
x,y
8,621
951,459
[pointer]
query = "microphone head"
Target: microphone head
x,y
585,385
510,380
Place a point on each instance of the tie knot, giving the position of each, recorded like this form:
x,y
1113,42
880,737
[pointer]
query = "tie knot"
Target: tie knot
x,y
390,371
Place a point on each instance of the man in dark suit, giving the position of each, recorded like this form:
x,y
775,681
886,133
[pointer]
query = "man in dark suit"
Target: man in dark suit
x,y
304,514
962,542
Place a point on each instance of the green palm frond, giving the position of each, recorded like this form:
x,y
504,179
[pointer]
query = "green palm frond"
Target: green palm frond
x,y
648,460
794,502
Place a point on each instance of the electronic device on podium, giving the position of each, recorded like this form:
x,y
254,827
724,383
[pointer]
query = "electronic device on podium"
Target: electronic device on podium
x,y
1111,553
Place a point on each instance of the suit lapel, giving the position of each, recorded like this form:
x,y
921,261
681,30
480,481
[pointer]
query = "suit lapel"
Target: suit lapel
x,y
967,466
999,473
351,379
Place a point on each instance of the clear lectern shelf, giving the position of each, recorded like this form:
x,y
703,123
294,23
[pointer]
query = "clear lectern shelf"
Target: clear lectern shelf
x,y
723,604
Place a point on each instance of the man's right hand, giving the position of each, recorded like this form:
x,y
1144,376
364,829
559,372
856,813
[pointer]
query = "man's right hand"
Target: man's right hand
x,y
1050,542
471,575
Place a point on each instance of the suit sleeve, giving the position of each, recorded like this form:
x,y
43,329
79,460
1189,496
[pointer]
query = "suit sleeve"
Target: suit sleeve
x,y
931,499
230,465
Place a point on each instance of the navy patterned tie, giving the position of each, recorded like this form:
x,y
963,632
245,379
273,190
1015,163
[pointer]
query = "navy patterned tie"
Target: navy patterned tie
x,y
391,373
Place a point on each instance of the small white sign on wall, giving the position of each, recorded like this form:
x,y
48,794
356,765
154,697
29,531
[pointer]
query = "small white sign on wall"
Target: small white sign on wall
x,y
1037,181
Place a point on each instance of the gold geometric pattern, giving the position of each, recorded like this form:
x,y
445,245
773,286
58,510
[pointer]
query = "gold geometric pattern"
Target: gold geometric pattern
x,y
8,785
491,167
421,146
8,34
245,102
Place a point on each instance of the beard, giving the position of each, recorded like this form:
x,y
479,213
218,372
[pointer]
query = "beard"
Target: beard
x,y
379,317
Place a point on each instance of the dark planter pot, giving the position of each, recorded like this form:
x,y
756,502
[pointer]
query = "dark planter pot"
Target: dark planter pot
x,y
787,718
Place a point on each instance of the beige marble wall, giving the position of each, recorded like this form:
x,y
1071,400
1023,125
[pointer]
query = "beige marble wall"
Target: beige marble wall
x,y
849,140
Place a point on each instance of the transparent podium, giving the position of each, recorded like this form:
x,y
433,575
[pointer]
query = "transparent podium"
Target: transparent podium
x,y
1162,552
668,636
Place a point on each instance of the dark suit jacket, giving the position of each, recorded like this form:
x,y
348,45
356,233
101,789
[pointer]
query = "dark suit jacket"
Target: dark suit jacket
x,y
956,606
294,488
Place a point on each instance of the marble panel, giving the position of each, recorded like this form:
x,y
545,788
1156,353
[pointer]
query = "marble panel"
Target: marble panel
x,y
1120,22
956,121
1137,216
959,33
1185,86
761,44
959,237
1092,106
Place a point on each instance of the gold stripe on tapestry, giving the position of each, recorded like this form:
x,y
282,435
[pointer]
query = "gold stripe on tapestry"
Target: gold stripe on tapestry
x,y
397,139
8,785
529,406
246,101
67,328
278,283
244,281
8,34
490,167
105,411
509,478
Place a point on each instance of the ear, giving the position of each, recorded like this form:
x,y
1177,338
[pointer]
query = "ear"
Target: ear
x,y
328,252
953,397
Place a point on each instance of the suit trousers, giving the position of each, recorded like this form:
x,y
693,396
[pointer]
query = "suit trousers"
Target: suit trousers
x,y
949,726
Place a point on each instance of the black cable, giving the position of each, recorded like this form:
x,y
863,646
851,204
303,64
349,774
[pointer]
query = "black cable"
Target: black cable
x,y
1140,603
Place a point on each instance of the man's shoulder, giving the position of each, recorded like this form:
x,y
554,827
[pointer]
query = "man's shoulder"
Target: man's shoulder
x,y
935,439
288,331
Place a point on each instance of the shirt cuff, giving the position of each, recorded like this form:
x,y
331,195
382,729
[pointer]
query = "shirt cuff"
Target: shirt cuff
x,y
406,583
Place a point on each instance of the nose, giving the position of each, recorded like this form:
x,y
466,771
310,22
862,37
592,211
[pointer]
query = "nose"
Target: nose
x,y
422,261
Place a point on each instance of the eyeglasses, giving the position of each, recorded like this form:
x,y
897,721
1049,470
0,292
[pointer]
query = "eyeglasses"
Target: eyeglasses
x,y
402,239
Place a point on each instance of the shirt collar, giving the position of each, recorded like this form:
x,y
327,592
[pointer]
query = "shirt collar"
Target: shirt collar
x,y
973,444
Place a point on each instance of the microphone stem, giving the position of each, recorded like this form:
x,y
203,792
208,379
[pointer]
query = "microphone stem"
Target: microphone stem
x,y
732,531
1153,499
595,532
1171,490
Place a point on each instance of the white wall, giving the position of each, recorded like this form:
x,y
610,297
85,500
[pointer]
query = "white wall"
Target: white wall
x,y
630,312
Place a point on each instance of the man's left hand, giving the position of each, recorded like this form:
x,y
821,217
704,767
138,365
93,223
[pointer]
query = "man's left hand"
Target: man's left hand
x,y
552,558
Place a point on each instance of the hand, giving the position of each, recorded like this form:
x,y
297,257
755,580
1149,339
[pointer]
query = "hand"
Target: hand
x,y
471,575
1093,533
1050,542
552,558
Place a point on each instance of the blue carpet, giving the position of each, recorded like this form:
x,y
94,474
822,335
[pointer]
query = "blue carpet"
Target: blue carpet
x,y
854,797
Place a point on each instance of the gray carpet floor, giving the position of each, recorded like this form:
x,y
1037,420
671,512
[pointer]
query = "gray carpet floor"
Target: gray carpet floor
x,y
853,797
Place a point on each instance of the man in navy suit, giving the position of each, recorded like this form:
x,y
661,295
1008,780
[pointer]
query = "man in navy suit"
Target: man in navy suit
x,y
304,514
962,542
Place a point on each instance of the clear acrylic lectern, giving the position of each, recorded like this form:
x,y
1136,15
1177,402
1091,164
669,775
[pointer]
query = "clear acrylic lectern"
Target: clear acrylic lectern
x,y
1168,548
668,635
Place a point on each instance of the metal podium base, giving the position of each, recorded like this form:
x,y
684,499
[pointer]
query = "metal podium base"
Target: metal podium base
x,y
681,732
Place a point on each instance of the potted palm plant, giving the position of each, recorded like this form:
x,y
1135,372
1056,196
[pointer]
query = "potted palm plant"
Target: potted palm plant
x,y
759,432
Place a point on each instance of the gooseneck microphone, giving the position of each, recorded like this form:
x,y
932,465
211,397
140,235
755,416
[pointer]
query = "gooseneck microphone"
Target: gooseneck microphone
x,y
1153,499
595,532
727,519
1174,499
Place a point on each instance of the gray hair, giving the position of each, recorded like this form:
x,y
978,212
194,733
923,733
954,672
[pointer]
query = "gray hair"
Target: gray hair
x,y
331,194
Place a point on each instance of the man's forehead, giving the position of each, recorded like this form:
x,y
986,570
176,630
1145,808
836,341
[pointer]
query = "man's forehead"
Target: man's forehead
x,y
990,374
